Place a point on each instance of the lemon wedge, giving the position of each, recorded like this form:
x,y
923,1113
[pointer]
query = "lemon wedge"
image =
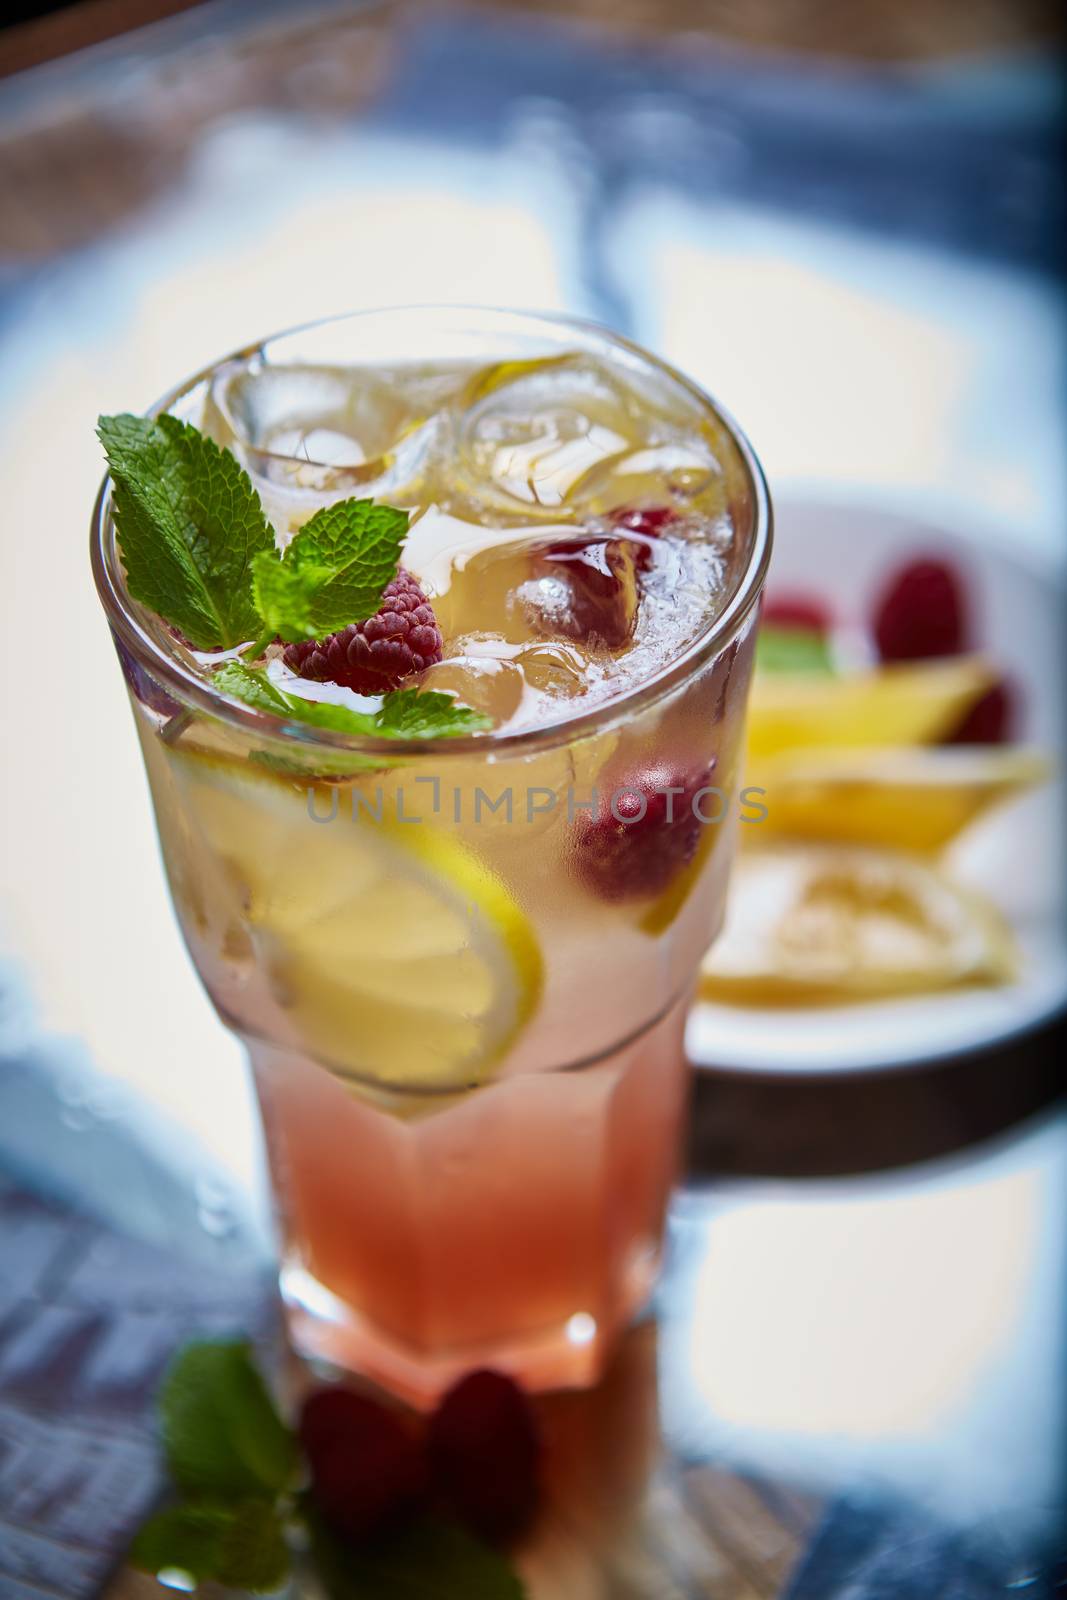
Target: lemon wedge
x,y
900,704
808,924
908,797
399,957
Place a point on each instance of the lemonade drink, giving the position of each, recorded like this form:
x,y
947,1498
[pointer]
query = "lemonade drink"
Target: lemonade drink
x,y
461,963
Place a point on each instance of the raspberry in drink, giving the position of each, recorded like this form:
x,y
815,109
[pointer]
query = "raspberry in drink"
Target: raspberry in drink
x,y
443,735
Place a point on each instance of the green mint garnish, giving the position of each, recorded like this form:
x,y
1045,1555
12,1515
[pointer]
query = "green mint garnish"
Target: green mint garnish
x,y
234,1461
223,1436
332,572
427,714
425,1560
190,526
404,714
240,1545
238,1466
199,550
792,650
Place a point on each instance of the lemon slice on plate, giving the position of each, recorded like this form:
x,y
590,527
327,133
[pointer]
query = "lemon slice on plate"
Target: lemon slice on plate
x,y
900,704
400,958
909,797
808,924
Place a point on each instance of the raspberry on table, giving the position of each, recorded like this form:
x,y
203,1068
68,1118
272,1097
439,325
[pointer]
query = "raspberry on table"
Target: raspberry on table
x,y
921,613
367,1469
484,1454
645,829
375,656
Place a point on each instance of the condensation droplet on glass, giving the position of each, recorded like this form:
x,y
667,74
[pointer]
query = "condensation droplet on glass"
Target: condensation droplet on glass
x,y
78,1118
214,1210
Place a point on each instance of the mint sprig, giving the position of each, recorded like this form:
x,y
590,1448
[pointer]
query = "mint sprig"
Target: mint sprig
x,y
235,1462
426,1560
238,1466
333,570
241,1545
221,1431
199,550
404,713
190,527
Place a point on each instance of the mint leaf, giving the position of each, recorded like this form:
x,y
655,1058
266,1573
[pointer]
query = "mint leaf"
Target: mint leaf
x,y
190,526
222,1434
284,595
242,1546
404,714
185,1537
427,714
425,1560
252,685
322,765
792,650
333,571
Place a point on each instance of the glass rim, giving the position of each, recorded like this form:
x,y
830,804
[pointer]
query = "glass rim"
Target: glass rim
x,y
193,690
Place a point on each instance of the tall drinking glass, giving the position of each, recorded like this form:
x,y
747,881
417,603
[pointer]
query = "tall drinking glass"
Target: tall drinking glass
x,y
461,966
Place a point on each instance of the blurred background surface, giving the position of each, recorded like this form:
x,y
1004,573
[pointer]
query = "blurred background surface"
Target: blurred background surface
x,y
849,223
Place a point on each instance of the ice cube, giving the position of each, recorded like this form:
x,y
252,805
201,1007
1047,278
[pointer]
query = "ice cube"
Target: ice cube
x,y
681,479
528,431
481,679
555,670
309,435
478,587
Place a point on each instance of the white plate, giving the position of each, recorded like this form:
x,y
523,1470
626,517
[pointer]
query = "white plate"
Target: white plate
x,y
1016,856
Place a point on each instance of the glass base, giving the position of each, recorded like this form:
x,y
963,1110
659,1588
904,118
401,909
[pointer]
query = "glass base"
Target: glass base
x,y
325,1332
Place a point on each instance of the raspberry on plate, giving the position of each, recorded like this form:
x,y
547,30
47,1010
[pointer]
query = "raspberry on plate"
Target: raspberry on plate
x,y
645,829
484,1454
796,611
375,656
921,613
367,1469
990,720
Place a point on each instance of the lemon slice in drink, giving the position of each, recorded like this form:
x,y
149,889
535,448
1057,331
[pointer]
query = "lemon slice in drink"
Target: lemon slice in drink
x,y
909,797
900,704
397,955
809,924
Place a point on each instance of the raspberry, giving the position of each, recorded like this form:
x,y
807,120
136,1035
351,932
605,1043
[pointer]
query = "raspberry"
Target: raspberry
x,y
602,589
484,1454
796,611
642,833
921,613
601,576
648,522
990,719
366,1468
373,656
